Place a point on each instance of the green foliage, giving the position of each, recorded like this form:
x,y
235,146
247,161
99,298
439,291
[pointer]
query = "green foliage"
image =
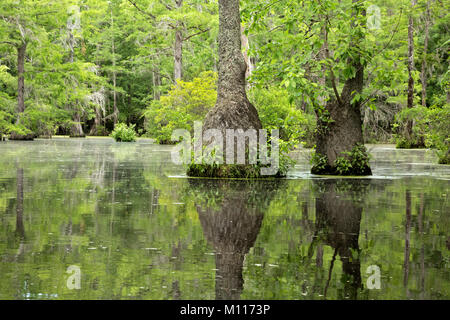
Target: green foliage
x,y
431,129
184,104
319,162
277,111
417,116
124,133
353,162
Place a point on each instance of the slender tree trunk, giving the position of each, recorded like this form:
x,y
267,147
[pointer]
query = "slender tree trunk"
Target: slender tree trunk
x,y
21,80
113,48
156,83
77,129
423,74
246,46
410,99
21,51
178,47
340,130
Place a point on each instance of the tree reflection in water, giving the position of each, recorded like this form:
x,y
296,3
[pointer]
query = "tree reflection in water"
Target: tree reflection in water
x,y
338,219
231,213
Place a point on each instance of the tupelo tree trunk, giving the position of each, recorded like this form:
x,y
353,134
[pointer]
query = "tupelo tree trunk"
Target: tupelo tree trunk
x,y
340,126
233,110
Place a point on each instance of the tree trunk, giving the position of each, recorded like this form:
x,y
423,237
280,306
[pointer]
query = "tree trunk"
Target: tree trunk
x,y
178,47
233,109
156,83
248,62
113,48
76,131
21,80
410,99
339,129
423,74
21,92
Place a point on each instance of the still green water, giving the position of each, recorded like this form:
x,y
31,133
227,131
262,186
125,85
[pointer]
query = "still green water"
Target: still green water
x,y
137,228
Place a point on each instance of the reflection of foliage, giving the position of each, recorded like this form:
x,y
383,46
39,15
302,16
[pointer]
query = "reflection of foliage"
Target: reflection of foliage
x,y
135,246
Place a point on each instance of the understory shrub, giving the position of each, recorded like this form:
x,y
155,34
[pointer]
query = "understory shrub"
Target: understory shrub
x,y
124,133
185,103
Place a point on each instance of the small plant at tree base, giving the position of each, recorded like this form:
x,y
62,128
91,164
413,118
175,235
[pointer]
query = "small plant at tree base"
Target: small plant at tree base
x,y
124,133
319,162
243,171
353,162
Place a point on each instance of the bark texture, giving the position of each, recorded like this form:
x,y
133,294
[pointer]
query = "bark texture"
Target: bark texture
x,y
233,110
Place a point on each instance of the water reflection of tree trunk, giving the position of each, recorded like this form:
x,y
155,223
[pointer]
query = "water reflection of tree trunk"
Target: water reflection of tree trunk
x,y
232,230
338,224
407,239
154,199
20,229
231,213
68,232
422,249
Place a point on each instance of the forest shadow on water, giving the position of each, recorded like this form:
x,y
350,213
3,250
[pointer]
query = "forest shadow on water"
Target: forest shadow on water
x,y
137,229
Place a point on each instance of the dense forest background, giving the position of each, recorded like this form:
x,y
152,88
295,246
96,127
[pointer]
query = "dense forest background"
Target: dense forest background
x,y
81,67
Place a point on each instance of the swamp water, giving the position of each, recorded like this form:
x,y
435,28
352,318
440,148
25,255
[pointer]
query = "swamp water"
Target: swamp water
x,y
128,222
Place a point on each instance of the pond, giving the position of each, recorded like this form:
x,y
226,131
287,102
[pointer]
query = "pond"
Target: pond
x,y
127,221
